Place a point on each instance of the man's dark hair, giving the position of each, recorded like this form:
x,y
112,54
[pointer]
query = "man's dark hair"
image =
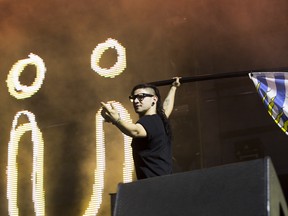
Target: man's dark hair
x,y
159,106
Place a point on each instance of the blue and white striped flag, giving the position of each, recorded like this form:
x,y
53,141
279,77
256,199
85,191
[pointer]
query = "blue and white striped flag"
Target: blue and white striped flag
x,y
273,90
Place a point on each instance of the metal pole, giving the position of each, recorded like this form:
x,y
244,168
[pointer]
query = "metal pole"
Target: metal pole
x,y
216,76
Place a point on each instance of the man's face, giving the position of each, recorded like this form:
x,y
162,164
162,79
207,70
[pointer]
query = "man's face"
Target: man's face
x,y
143,99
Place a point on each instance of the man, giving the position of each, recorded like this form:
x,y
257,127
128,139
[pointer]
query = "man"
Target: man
x,y
151,144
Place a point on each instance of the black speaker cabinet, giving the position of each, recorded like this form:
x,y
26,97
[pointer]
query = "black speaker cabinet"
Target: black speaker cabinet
x,y
241,189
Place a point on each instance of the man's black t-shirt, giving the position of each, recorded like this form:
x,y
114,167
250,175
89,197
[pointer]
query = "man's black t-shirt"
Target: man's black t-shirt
x,y
153,154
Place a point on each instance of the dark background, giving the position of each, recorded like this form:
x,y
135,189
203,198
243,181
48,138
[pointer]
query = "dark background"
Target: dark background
x,y
215,122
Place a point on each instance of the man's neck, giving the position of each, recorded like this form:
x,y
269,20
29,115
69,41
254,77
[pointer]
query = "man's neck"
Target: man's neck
x,y
149,112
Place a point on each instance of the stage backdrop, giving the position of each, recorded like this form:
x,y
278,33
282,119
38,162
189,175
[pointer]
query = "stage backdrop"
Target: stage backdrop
x,y
60,59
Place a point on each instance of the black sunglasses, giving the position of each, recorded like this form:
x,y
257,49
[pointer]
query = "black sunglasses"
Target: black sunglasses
x,y
140,97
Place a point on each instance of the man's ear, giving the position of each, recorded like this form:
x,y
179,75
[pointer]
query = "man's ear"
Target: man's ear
x,y
155,99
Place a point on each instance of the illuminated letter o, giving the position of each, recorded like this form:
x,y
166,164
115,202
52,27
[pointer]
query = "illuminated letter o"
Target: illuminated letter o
x,y
18,90
118,67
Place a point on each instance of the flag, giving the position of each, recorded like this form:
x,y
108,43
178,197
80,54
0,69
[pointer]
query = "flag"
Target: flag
x,y
273,90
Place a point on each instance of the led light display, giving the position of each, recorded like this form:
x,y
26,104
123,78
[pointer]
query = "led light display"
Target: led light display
x,y
38,161
118,67
15,88
21,91
98,187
